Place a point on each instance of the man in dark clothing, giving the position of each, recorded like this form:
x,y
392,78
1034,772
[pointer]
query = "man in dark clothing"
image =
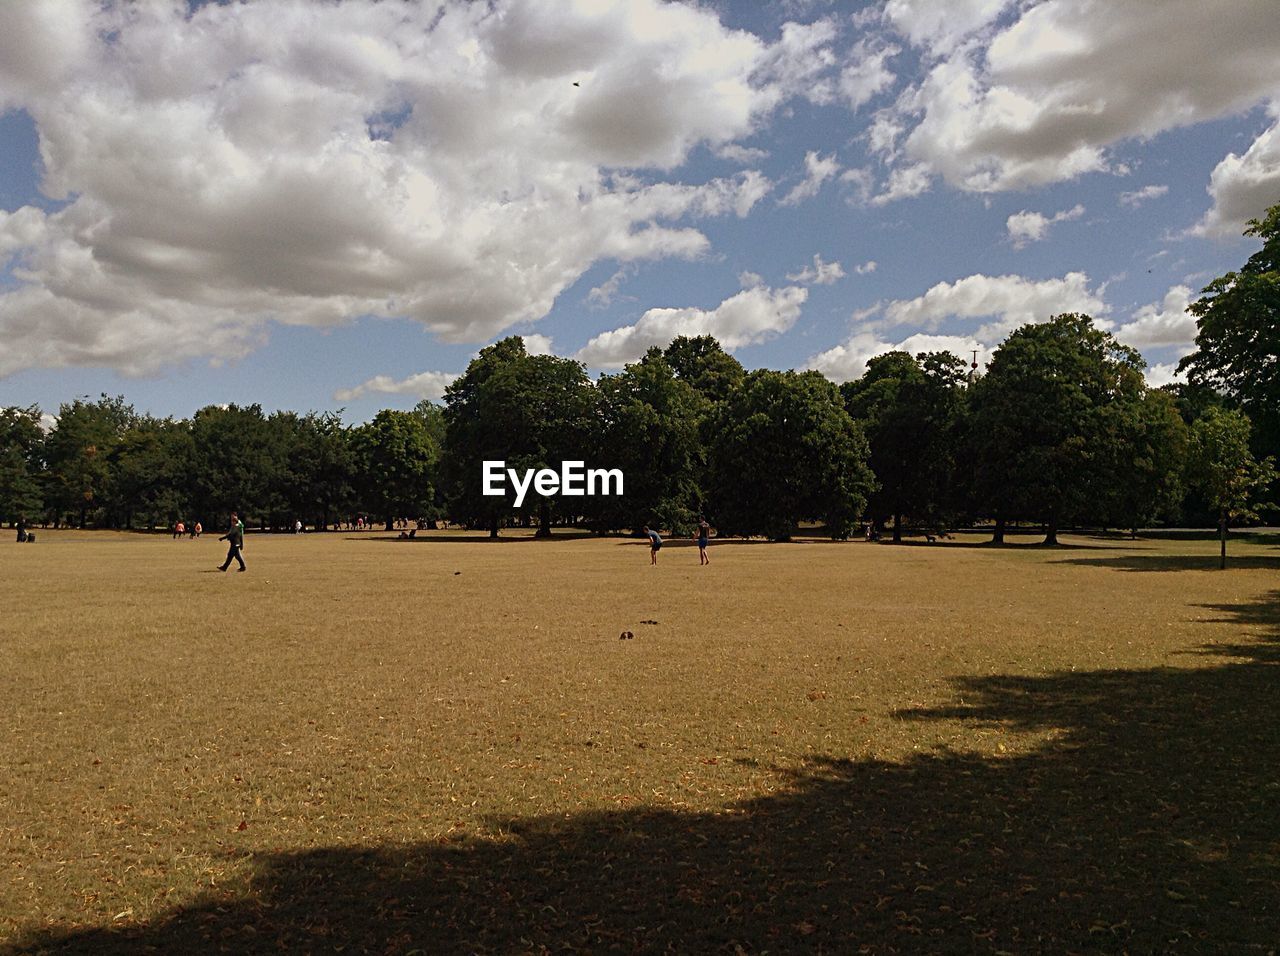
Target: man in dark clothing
x,y
235,541
22,529
655,544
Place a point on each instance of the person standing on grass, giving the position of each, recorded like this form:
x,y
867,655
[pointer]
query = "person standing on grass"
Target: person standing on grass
x,y
235,541
178,530
704,531
655,544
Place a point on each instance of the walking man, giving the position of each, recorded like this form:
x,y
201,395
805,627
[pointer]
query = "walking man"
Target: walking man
x,y
704,530
235,541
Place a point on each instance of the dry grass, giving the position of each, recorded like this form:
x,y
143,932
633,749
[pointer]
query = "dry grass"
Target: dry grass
x,y
443,745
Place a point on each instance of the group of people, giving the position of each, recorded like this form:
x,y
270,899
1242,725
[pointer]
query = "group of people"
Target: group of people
x,y
194,529
702,534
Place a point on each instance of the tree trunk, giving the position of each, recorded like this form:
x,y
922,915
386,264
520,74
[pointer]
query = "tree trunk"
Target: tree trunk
x,y
1222,538
493,526
997,536
390,523
1051,530
897,527
544,521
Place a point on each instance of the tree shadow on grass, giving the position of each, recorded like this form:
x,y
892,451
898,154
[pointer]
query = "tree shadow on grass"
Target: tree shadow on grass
x,y
1178,562
1148,823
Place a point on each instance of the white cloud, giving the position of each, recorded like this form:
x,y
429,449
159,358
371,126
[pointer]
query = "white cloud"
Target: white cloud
x,y
798,64
748,279
235,165
846,362
1244,187
1009,300
820,273
1137,197
423,385
940,27
1025,227
603,295
1164,374
865,268
749,317
747,155
817,170
1163,324
904,183
537,344
867,75
1042,99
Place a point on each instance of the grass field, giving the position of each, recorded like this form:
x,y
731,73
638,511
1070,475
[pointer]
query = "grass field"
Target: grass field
x,y
442,745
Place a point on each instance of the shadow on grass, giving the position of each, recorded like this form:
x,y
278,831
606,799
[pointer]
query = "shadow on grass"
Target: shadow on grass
x,y
1178,562
1148,824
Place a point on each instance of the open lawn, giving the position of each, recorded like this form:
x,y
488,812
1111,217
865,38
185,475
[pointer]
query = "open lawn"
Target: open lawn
x,y
442,745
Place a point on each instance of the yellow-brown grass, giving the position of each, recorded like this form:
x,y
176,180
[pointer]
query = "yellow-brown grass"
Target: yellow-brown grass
x,y
444,745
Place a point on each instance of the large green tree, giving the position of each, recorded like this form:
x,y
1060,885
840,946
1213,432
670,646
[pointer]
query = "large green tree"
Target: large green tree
x,y
238,461
648,421
78,453
909,407
395,465
1038,441
21,443
703,364
531,411
148,475
787,451
1238,341
1220,463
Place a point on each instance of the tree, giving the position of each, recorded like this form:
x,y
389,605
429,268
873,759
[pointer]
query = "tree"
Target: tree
x,y
237,464
786,451
1142,458
531,411
148,470
1038,443
704,365
1238,340
1220,463
21,442
909,409
395,465
78,453
649,421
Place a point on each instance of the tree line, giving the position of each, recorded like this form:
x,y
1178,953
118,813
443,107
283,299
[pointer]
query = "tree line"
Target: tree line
x,y
1060,429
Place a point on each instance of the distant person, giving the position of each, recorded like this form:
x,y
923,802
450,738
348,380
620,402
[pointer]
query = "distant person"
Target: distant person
x,y
297,527
704,532
197,530
22,530
235,541
179,529
655,544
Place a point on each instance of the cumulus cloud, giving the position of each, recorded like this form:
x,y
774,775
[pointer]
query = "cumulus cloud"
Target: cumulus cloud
x,y
749,317
1162,324
820,273
602,296
817,170
1025,227
865,268
746,155
1040,99
867,74
1137,197
847,362
235,165
1165,373
1244,187
1009,300
423,385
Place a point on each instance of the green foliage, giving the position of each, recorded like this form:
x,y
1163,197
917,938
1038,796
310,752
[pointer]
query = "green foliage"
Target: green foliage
x,y
1220,463
1041,444
395,464
236,460
21,445
705,366
910,408
786,451
532,411
1238,341
78,453
148,468
649,428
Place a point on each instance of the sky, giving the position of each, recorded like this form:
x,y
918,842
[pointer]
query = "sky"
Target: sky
x,y
334,205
